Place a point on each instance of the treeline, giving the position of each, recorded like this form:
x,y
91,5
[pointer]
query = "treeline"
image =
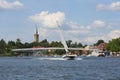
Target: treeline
x,y
114,45
5,47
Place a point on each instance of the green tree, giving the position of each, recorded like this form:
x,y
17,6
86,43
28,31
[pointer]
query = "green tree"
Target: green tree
x,y
114,45
18,43
2,46
44,43
80,45
56,44
99,42
10,45
69,43
27,45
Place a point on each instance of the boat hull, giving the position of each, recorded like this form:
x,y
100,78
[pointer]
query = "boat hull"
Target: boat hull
x,y
69,57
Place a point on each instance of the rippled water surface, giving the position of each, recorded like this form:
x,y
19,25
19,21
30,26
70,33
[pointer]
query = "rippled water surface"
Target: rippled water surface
x,y
36,68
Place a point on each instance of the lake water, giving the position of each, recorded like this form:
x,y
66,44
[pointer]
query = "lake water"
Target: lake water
x,y
36,68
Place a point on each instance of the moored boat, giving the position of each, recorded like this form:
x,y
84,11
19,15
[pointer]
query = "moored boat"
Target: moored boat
x,y
96,54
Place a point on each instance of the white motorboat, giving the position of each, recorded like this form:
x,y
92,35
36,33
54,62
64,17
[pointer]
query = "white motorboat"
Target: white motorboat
x,y
96,54
69,56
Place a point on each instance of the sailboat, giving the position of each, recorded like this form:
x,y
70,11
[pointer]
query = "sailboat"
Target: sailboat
x,y
68,55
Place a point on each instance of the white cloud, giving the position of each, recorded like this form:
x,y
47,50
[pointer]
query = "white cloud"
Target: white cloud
x,y
43,32
50,34
88,34
101,7
82,28
48,19
74,25
10,5
94,24
114,34
90,39
115,6
76,32
106,37
98,24
76,29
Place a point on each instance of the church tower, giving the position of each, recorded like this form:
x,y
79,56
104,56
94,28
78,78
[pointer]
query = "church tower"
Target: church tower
x,y
36,36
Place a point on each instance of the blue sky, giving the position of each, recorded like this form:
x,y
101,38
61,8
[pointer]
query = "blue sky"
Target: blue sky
x,y
84,21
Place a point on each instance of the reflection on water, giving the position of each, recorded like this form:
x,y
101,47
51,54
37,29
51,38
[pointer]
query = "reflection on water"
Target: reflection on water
x,y
36,68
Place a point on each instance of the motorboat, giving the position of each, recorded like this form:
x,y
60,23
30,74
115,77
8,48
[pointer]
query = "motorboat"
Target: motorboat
x,y
69,56
96,54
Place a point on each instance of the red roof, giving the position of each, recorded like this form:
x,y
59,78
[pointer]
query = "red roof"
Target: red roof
x,y
102,46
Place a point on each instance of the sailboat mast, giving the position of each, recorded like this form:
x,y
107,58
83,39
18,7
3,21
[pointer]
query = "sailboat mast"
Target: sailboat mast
x,y
62,38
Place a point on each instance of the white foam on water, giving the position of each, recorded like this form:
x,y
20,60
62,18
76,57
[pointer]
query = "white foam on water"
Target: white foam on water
x,y
57,59
50,58
79,59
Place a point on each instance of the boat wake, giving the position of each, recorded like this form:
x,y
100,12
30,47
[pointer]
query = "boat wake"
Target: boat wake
x,y
56,59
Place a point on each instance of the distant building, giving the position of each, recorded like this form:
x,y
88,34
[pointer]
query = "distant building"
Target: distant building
x,y
36,36
102,46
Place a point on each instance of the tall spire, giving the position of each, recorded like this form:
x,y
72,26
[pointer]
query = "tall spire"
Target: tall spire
x,y
36,35
36,29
